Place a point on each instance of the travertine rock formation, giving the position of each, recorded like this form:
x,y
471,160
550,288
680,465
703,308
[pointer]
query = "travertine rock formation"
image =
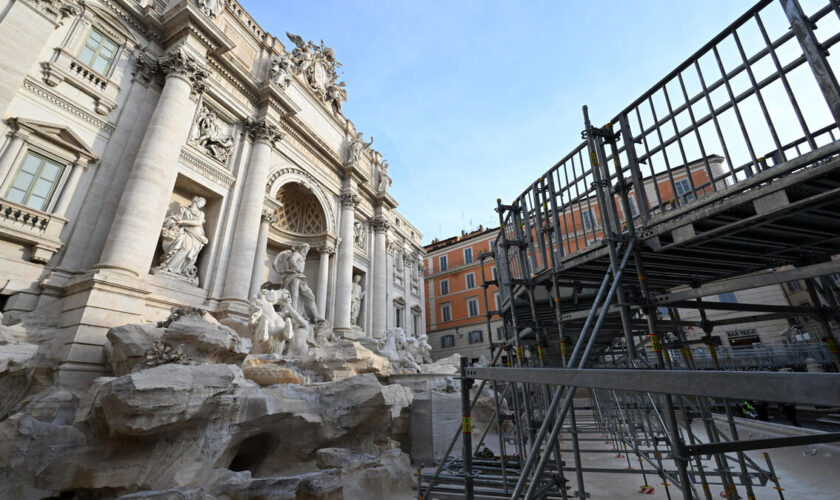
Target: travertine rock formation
x,y
180,420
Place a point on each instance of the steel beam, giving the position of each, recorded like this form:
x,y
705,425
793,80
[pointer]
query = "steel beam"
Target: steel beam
x,y
761,444
804,388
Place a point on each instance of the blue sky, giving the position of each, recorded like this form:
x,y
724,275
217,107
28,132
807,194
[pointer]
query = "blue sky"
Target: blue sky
x,y
472,100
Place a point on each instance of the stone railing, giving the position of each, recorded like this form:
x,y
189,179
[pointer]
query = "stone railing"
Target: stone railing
x,y
37,230
64,67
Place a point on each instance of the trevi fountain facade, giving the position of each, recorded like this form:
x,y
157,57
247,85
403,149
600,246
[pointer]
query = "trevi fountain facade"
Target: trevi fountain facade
x,y
207,288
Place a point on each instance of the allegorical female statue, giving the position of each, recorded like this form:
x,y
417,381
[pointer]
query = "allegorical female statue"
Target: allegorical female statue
x,y
182,238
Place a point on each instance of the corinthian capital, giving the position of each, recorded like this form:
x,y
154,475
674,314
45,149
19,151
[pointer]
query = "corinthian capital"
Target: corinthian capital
x,y
181,64
350,199
328,248
380,224
269,215
262,130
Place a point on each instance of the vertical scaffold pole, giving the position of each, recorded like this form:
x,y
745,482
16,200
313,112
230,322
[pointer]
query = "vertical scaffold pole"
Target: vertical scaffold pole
x,y
466,429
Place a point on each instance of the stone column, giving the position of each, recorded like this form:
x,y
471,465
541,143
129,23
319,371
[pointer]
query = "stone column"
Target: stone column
x,y
69,188
325,250
380,279
7,162
136,226
247,229
344,270
269,217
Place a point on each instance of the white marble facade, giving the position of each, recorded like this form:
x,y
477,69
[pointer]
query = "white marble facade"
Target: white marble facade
x,y
158,154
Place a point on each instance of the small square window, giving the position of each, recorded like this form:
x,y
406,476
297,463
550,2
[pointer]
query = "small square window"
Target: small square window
x,y
683,187
728,297
447,341
793,286
500,333
98,51
476,337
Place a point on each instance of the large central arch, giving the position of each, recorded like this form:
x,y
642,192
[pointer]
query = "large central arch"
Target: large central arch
x,y
305,192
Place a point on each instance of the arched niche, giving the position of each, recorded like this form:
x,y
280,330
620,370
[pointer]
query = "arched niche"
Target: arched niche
x,y
302,191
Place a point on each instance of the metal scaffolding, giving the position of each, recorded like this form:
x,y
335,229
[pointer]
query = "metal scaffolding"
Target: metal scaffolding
x,y
701,186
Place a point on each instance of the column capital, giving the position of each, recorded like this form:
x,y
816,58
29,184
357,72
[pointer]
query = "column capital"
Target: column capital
x,y
178,63
349,199
327,248
263,130
380,224
269,215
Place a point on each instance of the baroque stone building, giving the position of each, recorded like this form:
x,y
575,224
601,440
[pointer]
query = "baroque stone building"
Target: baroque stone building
x,y
164,153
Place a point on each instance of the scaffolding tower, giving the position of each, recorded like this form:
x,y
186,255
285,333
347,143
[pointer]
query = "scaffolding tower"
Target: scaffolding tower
x,y
724,176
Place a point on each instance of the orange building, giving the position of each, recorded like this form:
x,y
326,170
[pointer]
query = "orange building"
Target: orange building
x,y
455,306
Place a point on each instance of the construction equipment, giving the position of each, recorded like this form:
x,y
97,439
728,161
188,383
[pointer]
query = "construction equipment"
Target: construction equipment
x,y
700,187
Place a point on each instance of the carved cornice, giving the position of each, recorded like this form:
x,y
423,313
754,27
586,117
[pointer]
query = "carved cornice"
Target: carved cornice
x,y
54,10
350,199
262,130
178,63
106,127
380,224
203,168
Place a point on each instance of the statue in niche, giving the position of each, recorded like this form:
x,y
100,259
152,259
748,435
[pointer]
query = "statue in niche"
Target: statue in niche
x,y
289,264
280,71
384,178
359,234
182,238
357,294
207,135
356,148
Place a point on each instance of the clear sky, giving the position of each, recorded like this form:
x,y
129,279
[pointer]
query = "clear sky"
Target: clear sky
x,y
472,100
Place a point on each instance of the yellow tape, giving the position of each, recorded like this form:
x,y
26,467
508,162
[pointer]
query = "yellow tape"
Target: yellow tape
x,y
540,352
686,353
713,351
519,354
832,344
654,342
593,158
563,349
467,424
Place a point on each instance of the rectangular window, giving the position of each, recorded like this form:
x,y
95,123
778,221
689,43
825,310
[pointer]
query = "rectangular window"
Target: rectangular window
x,y
472,307
444,265
493,273
493,247
728,297
35,182
470,280
500,333
588,219
496,300
398,317
415,324
98,51
431,266
634,210
793,286
468,258
683,188
447,341
445,313
444,287
476,336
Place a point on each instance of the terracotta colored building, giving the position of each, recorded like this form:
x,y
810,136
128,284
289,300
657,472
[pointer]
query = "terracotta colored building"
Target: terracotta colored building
x,y
455,300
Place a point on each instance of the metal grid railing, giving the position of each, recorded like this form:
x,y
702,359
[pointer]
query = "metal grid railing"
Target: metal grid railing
x,y
759,94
